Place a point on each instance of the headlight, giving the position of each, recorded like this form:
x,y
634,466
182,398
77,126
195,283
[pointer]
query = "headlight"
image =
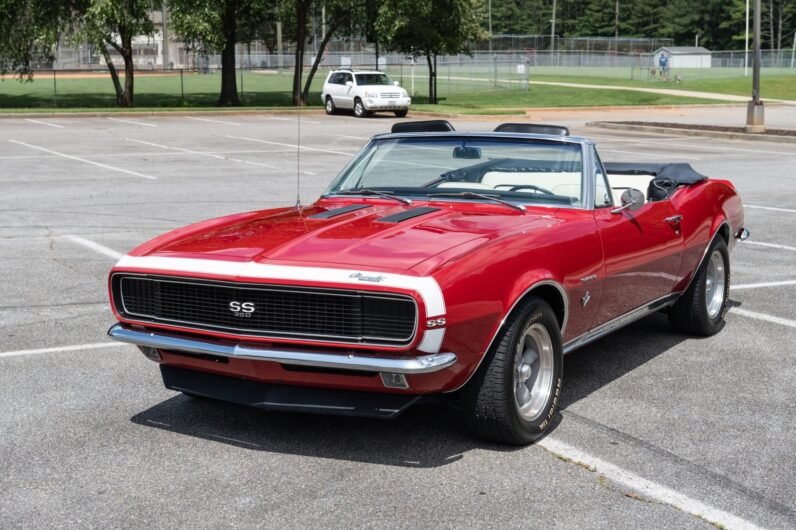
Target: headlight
x,y
371,94
404,93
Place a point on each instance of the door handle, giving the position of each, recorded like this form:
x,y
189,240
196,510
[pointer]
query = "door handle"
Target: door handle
x,y
674,222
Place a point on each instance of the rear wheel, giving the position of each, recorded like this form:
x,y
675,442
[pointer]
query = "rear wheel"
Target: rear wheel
x,y
514,394
359,109
330,108
700,310
401,113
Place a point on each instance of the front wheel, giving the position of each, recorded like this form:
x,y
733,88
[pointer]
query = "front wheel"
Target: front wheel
x,y
359,109
401,113
330,108
514,394
700,310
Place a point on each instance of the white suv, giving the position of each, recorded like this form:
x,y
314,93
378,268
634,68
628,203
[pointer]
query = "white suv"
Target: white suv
x,y
364,92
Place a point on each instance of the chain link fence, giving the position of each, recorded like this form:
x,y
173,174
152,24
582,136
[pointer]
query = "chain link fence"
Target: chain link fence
x,y
266,79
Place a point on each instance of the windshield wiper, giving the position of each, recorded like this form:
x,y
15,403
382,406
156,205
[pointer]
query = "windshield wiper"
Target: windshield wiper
x,y
366,191
471,195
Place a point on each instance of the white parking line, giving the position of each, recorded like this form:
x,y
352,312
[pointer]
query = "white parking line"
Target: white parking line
x,y
303,120
200,153
647,488
57,349
763,284
769,208
764,317
79,159
133,122
304,148
352,137
213,121
45,123
647,155
93,245
709,147
769,245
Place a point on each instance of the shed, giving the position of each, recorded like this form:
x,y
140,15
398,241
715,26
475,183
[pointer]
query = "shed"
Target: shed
x,y
684,56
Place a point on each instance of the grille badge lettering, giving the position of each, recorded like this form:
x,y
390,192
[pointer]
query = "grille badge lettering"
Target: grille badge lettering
x,y
242,309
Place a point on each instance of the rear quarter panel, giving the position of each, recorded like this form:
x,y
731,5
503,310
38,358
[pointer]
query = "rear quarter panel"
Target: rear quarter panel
x,y
705,207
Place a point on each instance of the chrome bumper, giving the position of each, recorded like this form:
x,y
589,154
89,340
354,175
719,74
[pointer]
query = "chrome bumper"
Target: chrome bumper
x,y
395,365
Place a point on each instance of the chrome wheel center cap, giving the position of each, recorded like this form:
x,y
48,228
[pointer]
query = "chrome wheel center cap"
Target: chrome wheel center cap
x,y
524,372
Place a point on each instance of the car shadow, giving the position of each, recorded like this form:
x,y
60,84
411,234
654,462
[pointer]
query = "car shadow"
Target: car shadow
x,y
426,436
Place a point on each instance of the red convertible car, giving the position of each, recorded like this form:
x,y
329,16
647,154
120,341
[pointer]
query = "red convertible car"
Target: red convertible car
x,y
437,262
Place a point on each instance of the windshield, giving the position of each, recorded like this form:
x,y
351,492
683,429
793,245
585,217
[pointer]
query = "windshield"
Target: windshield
x,y
518,170
373,79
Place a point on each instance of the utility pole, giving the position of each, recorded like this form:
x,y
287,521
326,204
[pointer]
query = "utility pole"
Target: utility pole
x,y
279,44
746,44
755,118
164,39
489,23
553,29
793,50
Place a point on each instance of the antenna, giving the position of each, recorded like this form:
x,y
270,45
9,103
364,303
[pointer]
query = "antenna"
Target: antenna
x,y
298,154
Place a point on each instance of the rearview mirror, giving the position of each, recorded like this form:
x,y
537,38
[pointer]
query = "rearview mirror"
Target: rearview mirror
x,y
349,83
631,199
396,83
469,153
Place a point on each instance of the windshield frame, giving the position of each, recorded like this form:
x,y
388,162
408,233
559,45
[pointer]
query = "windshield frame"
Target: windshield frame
x,y
587,161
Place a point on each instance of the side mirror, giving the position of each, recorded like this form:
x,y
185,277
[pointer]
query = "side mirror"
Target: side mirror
x,y
632,199
349,83
396,83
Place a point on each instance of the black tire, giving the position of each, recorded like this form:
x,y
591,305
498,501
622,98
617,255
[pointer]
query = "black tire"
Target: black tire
x,y
401,113
329,106
359,109
489,398
692,312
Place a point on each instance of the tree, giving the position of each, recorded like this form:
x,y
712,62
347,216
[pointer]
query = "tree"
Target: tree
x,y
29,31
431,28
114,23
218,25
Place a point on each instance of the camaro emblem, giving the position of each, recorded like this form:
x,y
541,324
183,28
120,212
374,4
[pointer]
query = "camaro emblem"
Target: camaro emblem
x,y
365,278
242,309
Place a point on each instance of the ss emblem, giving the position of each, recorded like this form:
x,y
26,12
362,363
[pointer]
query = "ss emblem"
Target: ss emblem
x,y
242,309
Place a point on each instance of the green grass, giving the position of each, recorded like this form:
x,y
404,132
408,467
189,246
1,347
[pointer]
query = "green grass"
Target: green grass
x,y
151,91
771,86
481,101
466,95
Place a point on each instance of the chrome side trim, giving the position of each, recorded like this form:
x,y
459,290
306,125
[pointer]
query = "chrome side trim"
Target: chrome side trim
x,y
705,252
399,365
620,321
503,321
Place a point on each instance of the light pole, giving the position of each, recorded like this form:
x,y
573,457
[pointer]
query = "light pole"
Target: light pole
x,y
746,44
755,118
553,29
489,10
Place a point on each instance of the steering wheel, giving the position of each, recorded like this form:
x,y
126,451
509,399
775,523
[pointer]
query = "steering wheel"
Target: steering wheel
x,y
512,187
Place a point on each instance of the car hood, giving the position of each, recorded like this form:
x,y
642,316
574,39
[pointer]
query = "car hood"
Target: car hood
x,y
359,239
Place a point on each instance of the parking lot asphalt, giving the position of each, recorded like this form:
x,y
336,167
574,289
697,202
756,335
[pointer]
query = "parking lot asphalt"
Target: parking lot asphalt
x,y
657,430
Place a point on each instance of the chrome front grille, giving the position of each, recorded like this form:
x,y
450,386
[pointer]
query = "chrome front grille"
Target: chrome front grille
x,y
268,310
390,95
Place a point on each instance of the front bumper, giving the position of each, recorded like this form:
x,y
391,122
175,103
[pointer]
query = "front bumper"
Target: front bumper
x,y
423,364
375,104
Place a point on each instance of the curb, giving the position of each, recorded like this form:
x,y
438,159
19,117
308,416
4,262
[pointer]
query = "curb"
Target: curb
x,y
693,132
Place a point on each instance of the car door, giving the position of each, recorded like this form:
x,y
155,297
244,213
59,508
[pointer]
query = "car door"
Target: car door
x,y
642,249
346,97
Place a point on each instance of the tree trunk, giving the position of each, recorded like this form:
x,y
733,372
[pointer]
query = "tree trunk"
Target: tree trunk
x,y
229,83
117,86
771,24
126,99
377,52
330,31
301,36
432,85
